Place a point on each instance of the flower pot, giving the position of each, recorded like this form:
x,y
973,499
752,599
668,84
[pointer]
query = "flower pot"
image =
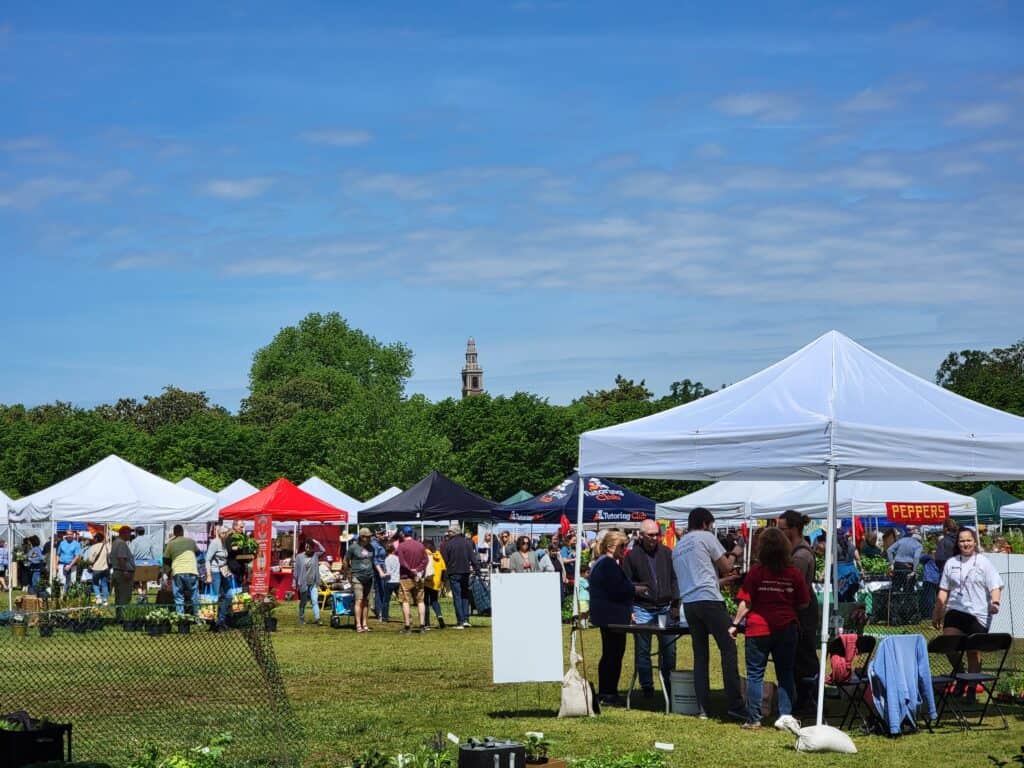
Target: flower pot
x,y
159,628
184,628
19,629
130,626
245,558
45,630
270,623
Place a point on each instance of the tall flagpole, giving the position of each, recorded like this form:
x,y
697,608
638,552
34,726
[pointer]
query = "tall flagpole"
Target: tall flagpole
x,y
830,535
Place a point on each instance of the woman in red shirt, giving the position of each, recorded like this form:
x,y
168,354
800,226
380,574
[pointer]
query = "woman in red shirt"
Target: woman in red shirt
x,y
770,597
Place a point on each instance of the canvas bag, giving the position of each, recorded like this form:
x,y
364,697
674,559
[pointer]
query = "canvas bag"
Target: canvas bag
x,y
577,695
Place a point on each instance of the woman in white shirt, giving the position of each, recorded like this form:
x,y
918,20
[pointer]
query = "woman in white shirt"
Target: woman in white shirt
x,y
969,591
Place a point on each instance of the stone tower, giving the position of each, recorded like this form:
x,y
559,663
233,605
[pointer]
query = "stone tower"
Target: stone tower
x,y
472,373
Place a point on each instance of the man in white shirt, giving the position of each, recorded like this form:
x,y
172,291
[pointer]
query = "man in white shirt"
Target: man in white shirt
x,y
701,562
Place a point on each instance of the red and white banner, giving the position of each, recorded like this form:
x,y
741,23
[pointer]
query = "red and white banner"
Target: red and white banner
x,y
263,532
917,512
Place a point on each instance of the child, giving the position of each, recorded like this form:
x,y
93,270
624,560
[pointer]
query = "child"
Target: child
x,y
391,566
584,595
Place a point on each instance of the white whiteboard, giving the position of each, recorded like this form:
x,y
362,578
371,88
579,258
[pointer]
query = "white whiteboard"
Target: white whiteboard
x,y
526,627
1010,618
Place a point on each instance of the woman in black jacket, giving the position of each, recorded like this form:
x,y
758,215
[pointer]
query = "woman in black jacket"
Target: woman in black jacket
x,y
611,602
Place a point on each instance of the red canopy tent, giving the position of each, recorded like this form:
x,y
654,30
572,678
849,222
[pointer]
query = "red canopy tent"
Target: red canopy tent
x,y
285,502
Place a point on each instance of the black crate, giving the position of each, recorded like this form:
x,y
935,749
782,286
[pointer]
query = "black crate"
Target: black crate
x,y
18,748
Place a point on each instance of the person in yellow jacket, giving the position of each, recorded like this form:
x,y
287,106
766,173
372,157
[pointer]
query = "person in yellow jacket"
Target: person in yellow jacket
x,y
433,579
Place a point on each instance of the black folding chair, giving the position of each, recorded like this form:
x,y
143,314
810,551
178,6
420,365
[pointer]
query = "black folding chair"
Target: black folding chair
x,y
852,690
999,642
945,653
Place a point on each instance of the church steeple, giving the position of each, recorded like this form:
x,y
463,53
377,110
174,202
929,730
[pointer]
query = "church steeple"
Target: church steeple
x,y
472,373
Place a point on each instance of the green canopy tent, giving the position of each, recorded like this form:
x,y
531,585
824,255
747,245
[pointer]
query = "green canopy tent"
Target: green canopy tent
x,y
517,497
990,500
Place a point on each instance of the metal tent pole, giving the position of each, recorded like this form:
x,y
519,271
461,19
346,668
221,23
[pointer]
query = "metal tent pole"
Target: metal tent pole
x,y
579,536
830,535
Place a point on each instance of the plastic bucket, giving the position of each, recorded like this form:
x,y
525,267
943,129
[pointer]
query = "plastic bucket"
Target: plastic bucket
x,y
684,696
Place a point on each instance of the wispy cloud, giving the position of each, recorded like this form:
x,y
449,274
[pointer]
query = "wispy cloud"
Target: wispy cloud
x,y
25,144
982,115
767,106
237,189
401,186
337,137
870,100
32,193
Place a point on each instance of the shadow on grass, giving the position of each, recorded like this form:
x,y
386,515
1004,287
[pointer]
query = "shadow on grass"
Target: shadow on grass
x,y
504,714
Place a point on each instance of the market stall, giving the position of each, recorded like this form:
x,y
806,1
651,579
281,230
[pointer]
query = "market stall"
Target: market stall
x,y
832,410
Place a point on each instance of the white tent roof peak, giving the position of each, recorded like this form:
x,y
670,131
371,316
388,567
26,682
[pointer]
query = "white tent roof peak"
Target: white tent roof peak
x,y
236,491
113,490
189,484
327,492
384,495
832,403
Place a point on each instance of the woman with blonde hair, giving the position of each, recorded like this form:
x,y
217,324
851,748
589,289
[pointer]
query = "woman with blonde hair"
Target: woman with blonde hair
x,y
611,602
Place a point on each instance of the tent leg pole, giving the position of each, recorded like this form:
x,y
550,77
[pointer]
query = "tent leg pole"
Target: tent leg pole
x,y
10,571
830,535
579,538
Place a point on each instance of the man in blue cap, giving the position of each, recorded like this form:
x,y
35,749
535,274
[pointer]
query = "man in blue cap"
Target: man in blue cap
x,y
412,559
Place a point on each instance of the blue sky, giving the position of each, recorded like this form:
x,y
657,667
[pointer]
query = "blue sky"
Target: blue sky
x,y
659,190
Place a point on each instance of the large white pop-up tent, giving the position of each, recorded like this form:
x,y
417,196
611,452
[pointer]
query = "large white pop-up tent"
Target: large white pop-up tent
x,y
327,492
1012,513
384,495
726,500
860,498
831,410
191,485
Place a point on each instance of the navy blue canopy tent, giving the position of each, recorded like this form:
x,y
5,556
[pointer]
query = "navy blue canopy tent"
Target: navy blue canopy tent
x,y
603,502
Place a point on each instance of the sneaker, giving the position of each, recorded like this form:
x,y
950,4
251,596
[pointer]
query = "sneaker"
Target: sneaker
x,y
466,625
750,726
425,628
406,629
301,621
458,626
788,723
702,715
612,700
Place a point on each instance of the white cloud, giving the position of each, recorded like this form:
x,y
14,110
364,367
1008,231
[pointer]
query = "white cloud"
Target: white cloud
x,y
337,137
135,261
709,150
982,115
25,144
237,189
771,107
870,100
401,186
657,185
32,193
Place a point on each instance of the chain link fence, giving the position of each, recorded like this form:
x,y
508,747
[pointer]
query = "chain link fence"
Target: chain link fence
x,y
122,689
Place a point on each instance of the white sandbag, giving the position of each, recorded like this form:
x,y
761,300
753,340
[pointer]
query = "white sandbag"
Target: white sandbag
x,y
824,738
577,696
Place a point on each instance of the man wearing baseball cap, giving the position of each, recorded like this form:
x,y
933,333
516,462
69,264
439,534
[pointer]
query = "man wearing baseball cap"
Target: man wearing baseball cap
x,y
460,558
412,558
359,561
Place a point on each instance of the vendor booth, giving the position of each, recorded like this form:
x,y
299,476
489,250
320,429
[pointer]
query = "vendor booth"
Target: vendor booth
x,y
327,492
603,502
283,502
433,498
832,410
112,491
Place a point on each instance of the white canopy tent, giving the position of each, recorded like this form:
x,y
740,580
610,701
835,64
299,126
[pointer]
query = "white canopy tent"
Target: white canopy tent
x,y
237,491
860,498
726,500
191,485
830,410
390,493
1012,513
327,492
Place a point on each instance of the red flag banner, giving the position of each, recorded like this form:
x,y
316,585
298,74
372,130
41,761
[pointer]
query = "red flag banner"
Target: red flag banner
x,y
263,532
917,513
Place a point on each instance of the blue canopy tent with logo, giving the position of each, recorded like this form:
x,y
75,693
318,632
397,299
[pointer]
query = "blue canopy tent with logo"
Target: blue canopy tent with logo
x,y
603,502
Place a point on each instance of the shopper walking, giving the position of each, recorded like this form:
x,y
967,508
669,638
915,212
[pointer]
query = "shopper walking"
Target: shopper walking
x,y
460,558
306,578
359,561
180,563
98,558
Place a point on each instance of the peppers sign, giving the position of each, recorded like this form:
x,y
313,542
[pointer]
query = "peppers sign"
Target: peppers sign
x,y
263,532
917,513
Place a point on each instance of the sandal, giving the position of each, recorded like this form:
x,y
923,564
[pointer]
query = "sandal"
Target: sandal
x,y
751,726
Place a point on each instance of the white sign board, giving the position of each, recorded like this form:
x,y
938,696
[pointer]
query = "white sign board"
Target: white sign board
x,y
526,627
1010,618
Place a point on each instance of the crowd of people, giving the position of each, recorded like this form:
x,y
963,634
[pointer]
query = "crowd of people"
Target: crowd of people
x,y
641,581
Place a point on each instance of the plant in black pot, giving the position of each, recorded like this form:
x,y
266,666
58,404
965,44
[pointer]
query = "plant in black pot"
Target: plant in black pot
x,y
536,748
267,606
45,627
158,622
185,622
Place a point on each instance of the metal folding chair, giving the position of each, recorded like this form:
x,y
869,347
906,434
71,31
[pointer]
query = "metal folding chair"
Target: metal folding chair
x,y
985,643
852,690
945,653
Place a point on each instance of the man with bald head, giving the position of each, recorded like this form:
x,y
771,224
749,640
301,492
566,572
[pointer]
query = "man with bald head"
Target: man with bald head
x,y
650,563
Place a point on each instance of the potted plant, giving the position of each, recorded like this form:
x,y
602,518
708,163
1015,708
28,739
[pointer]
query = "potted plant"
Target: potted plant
x,y
158,622
536,748
267,606
19,625
245,545
45,627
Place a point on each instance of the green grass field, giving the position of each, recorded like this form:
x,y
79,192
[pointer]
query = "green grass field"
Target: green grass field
x,y
382,689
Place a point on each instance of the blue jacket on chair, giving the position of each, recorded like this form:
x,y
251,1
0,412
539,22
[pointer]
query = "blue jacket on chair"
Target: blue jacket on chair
x,y
901,680
611,594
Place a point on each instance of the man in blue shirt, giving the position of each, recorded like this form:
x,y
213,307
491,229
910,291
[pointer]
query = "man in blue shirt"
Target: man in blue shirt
x,y
380,574
903,555
69,552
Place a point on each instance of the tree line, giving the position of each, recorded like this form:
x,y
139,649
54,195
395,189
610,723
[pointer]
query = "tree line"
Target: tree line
x,y
327,399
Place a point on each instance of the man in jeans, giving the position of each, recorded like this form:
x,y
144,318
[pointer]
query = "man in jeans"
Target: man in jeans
x,y
460,557
180,562
69,552
650,564
700,562
381,590
122,566
306,577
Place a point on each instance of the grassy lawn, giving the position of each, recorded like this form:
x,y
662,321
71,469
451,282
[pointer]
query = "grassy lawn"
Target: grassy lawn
x,y
382,689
